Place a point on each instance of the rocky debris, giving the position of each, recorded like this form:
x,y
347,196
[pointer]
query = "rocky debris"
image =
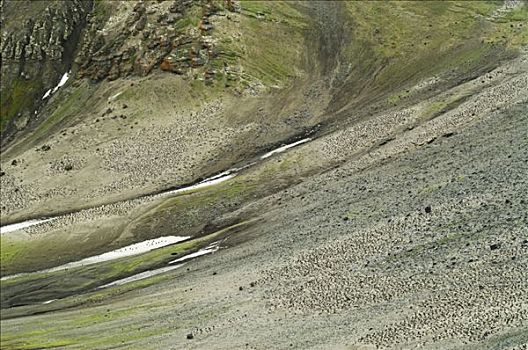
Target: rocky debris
x,y
108,49
45,37
44,148
438,274
494,246
169,144
65,164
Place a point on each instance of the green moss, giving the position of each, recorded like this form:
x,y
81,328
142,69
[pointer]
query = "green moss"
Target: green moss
x,y
421,39
397,97
101,10
40,343
17,252
10,250
445,103
271,45
16,99
50,285
207,195
510,29
33,340
70,106
435,108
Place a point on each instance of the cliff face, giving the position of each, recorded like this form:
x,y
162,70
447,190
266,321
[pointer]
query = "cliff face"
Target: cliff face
x,y
38,44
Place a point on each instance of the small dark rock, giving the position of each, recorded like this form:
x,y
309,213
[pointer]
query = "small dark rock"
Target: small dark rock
x,y
428,209
190,336
45,148
252,284
494,246
240,288
14,162
2,173
68,167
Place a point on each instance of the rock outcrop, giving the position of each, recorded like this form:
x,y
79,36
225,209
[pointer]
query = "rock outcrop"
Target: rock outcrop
x,y
174,36
100,40
37,49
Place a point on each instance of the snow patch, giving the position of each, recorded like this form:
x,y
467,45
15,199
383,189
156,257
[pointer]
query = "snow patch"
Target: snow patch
x,y
284,148
47,94
208,182
141,276
208,250
63,81
130,250
22,225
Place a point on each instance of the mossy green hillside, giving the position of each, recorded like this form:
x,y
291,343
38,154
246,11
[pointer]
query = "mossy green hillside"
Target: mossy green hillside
x,y
269,47
424,39
14,100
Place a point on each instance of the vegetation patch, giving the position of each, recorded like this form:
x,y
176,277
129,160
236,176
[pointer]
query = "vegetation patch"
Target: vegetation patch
x,y
16,99
39,287
422,39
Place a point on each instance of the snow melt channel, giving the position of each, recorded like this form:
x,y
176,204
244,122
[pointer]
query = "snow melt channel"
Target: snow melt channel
x,y
208,182
210,249
130,250
141,276
22,225
61,83
213,247
284,148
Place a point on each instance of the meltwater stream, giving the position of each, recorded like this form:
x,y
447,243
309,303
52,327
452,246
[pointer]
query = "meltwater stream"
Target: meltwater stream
x,y
148,245
129,250
214,180
23,224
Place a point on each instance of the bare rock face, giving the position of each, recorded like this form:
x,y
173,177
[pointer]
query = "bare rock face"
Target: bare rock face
x,y
37,44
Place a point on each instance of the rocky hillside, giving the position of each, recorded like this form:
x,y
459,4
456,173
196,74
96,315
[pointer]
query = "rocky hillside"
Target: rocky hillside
x,y
98,40
208,84
264,174
39,40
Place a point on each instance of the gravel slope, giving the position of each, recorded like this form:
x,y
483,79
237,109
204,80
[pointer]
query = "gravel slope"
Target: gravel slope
x,y
401,247
402,225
